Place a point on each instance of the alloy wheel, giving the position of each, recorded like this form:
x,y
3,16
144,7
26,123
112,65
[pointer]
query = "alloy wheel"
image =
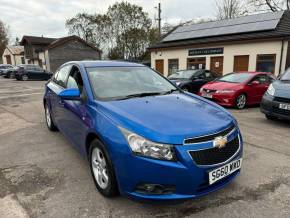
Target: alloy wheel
x,y
24,77
99,166
47,116
241,101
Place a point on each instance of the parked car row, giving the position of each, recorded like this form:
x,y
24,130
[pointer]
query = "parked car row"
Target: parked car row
x,y
25,72
240,89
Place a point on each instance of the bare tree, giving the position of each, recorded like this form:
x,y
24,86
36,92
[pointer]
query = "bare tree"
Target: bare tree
x,y
227,9
3,37
272,5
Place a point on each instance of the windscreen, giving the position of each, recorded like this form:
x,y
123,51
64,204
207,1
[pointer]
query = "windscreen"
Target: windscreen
x,y
119,82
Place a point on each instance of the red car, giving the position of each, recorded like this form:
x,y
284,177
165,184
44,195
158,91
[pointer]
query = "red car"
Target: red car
x,y
238,89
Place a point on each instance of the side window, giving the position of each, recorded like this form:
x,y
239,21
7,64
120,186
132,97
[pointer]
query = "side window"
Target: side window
x,y
62,75
208,74
263,79
75,79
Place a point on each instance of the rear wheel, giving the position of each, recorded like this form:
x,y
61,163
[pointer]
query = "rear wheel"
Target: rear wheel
x,y
241,101
49,122
24,77
102,169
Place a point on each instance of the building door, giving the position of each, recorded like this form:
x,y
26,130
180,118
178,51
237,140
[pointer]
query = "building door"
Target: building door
x,y
196,63
241,63
217,65
8,59
159,66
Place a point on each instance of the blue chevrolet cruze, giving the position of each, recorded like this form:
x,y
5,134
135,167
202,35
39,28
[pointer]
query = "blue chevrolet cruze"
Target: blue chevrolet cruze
x,y
143,137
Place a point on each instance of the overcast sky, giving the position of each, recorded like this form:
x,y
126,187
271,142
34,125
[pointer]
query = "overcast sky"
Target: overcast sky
x,y
47,17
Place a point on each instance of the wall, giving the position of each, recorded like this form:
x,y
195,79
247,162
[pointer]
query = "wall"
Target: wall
x,y
15,59
70,51
252,49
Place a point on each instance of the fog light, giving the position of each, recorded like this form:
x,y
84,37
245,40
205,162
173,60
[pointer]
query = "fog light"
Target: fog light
x,y
226,100
156,189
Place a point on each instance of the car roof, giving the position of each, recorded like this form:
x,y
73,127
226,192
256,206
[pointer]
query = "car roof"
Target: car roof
x,y
253,72
107,64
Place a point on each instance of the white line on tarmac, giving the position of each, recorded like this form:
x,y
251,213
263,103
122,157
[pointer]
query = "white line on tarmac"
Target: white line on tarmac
x,y
16,96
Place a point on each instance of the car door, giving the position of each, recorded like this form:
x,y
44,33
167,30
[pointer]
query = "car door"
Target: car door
x,y
75,118
198,81
59,84
39,73
257,90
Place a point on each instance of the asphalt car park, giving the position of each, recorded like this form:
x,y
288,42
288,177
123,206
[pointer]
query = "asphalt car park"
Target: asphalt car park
x,y
41,175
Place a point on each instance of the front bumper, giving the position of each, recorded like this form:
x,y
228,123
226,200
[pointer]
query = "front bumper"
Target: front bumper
x,y
227,100
271,107
188,179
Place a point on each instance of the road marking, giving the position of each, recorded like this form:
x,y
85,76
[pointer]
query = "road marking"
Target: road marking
x,y
16,96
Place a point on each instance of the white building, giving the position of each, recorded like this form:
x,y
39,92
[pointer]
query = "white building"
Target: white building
x,y
13,55
251,43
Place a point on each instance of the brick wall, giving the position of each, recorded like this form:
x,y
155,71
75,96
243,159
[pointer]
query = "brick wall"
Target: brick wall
x,y
70,51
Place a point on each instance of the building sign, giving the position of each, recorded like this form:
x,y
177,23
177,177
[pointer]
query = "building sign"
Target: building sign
x,y
205,51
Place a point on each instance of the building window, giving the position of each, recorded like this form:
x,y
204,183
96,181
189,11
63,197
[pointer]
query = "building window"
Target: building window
x,y
266,63
22,60
172,66
196,63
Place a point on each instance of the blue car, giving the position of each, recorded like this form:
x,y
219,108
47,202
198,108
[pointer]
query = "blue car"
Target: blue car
x,y
143,137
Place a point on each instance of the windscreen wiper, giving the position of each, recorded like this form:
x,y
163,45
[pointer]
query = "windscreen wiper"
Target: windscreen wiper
x,y
140,95
170,91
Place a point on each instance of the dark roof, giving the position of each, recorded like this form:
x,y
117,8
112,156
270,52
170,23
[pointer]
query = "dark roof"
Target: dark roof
x,y
108,64
282,30
64,40
36,40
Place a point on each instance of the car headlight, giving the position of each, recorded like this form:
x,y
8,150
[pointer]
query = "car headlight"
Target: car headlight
x,y
201,90
271,90
143,147
226,91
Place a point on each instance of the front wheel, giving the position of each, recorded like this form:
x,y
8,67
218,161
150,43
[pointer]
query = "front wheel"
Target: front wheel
x,y
24,77
49,122
102,170
241,101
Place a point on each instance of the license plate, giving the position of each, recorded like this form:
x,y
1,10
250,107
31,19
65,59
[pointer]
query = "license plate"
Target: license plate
x,y
206,95
284,106
219,173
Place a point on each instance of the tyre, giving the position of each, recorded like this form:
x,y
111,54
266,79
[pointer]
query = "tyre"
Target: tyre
x,y
102,169
269,117
241,101
49,122
24,77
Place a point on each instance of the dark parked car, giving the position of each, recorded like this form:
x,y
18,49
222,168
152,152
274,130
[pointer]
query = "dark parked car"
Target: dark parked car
x,y
4,68
276,101
32,72
192,80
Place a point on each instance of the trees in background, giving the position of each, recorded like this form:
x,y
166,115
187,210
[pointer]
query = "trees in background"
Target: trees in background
x,y
3,37
124,32
228,9
272,5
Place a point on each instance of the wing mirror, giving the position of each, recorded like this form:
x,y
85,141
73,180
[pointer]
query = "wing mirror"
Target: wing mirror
x,y
70,94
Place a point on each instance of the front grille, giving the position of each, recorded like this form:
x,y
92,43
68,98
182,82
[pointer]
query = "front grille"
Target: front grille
x,y
281,111
216,155
284,100
209,137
